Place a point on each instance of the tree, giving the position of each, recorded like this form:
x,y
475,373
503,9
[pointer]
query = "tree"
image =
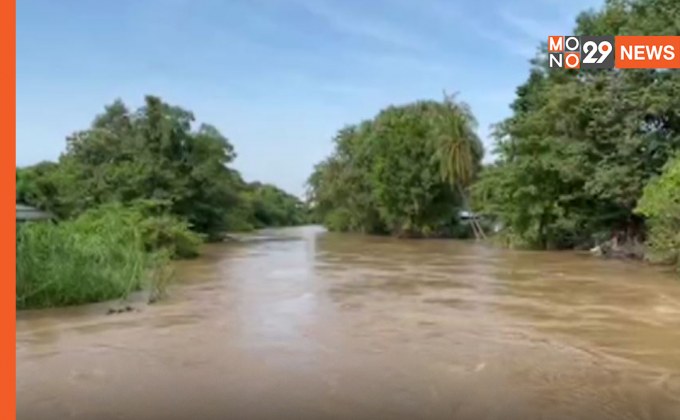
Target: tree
x,y
661,204
580,147
153,153
459,151
393,174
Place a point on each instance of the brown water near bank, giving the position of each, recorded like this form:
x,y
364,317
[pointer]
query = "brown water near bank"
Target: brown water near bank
x,y
319,325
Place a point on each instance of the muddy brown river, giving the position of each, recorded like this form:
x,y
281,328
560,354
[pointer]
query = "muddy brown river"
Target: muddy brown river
x,y
313,325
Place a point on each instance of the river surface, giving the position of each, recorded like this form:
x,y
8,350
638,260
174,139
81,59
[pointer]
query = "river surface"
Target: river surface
x,y
314,325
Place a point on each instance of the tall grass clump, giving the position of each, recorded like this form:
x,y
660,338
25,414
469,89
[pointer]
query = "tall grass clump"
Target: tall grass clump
x,y
93,258
160,230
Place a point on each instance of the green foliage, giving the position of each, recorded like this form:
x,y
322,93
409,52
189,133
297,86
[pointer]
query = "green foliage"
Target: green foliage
x,y
92,258
134,190
159,230
661,204
576,154
40,185
395,173
152,153
155,153
272,206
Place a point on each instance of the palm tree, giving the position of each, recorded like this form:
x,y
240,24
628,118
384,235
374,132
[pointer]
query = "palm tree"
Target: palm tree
x,y
459,150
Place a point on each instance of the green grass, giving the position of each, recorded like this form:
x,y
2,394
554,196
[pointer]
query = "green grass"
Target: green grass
x,y
89,259
160,230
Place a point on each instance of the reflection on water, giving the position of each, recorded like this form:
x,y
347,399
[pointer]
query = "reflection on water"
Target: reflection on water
x,y
318,325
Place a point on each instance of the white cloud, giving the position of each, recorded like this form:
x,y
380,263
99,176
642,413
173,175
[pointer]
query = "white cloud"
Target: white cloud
x,y
375,29
505,41
445,13
529,27
423,66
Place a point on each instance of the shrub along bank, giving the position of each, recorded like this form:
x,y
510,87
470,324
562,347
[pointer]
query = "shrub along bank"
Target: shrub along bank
x,y
660,203
89,259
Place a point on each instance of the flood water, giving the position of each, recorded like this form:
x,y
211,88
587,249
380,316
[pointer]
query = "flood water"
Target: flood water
x,y
316,325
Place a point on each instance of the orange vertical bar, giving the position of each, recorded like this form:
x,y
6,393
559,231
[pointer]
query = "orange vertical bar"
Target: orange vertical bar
x,y
7,210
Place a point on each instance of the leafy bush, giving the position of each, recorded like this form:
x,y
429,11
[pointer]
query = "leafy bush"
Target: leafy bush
x,y
660,203
159,230
89,259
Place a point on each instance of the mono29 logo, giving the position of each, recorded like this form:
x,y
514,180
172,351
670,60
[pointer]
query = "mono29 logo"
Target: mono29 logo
x,y
581,52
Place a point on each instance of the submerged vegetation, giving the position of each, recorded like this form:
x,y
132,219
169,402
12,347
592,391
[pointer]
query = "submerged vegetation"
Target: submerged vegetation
x,y
133,190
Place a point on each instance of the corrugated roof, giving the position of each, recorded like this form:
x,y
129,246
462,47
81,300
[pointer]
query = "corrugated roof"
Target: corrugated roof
x,y
25,212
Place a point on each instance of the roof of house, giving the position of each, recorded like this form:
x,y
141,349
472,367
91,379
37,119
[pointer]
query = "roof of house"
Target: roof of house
x,y
464,214
25,212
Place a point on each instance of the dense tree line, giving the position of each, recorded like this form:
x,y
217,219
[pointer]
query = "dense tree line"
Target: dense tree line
x,y
580,147
404,172
134,190
155,156
586,156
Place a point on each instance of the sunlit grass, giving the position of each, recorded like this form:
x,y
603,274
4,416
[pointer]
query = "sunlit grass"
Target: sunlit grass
x,y
84,260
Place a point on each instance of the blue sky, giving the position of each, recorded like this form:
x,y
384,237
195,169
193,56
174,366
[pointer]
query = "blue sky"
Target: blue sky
x,y
277,77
